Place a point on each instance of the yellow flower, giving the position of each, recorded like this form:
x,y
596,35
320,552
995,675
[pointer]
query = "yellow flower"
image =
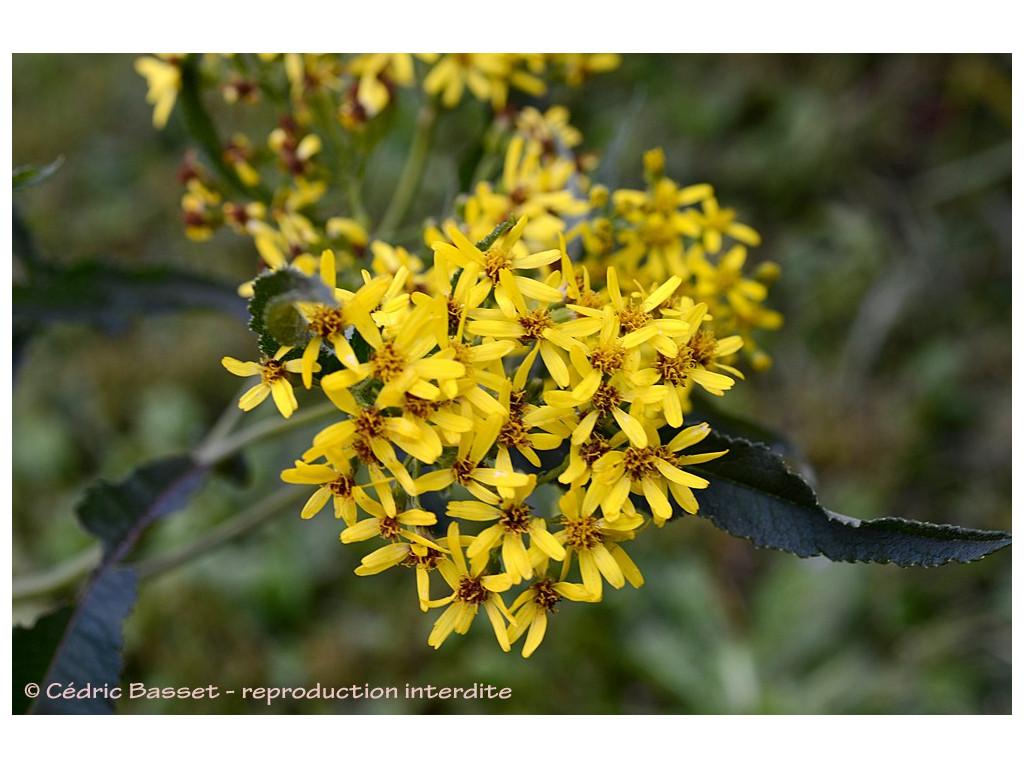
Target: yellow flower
x,y
403,362
336,480
609,365
699,352
497,263
595,542
415,552
375,71
448,420
163,76
715,222
581,459
389,260
743,295
534,186
516,432
349,230
653,471
370,435
533,605
449,308
468,472
486,75
273,381
535,326
330,324
471,588
514,519
403,546
637,321
602,401
386,521
577,67
197,217
550,129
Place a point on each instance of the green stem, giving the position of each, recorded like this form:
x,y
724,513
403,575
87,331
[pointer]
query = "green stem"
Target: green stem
x,y
214,450
71,571
217,446
240,524
60,577
228,418
412,173
354,192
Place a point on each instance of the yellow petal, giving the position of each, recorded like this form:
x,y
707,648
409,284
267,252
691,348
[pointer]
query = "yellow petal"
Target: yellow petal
x,y
633,429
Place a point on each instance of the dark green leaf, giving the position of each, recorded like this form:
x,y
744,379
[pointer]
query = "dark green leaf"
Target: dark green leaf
x,y
754,495
117,514
82,646
273,316
108,296
29,175
88,653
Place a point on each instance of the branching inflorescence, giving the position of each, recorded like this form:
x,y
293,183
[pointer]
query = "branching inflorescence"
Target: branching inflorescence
x,y
550,334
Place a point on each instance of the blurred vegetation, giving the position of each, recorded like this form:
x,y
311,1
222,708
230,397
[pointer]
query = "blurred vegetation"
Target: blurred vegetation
x,y
882,186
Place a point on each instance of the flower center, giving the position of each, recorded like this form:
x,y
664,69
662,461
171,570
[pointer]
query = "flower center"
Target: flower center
x,y
342,486
632,318
389,527
460,353
546,596
462,469
370,423
594,449
471,591
581,533
675,370
417,406
656,231
702,347
606,398
514,433
454,316
517,403
639,462
534,324
426,559
272,371
326,322
608,359
388,362
364,452
495,261
516,518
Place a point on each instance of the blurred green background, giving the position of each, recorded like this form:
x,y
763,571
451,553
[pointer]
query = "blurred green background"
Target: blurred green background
x,y
882,186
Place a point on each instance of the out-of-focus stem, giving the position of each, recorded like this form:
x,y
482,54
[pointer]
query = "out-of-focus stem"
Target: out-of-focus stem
x,y
217,446
412,173
62,575
238,525
213,451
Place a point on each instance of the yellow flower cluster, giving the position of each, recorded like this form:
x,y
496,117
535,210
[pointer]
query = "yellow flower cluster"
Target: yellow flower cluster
x,y
286,173
551,337
434,424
